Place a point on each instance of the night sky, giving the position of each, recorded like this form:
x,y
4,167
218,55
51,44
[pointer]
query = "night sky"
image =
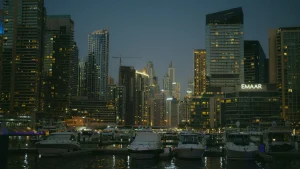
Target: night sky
x,y
165,30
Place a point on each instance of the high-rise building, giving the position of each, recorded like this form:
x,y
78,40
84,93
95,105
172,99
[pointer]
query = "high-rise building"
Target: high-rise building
x,y
225,48
176,90
116,95
82,78
191,85
166,82
199,71
183,115
171,74
254,62
284,63
159,109
60,71
97,77
266,66
1,45
150,72
22,59
142,114
127,79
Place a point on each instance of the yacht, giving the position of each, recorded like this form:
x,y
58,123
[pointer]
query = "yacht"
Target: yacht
x,y
126,132
278,138
170,136
51,127
239,146
58,143
89,136
189,146
146,144
111,133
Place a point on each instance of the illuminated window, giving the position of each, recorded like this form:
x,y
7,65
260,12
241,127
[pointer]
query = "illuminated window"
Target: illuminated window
x,y
284,53
290,90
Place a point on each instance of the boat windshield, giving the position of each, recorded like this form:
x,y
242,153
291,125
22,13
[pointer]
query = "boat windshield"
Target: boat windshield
x,y
189,139
107,131
239,139
279,136
59,137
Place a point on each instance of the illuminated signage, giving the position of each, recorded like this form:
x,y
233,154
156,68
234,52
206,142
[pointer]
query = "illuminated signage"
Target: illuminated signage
x,y
251,86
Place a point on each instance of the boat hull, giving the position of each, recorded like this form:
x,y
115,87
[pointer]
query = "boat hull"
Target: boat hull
x,y
144,154
56,149
233,154
189,153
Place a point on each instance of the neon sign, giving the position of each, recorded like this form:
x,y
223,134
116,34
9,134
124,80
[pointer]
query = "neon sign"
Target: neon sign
x,y
251,86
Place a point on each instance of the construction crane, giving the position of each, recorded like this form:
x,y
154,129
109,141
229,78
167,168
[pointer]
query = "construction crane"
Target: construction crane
x,y
120,58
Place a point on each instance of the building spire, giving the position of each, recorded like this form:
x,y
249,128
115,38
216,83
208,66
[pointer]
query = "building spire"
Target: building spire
x,y
171,64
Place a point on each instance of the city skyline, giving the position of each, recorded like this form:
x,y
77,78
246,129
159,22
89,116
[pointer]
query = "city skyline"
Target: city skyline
x,y
134,20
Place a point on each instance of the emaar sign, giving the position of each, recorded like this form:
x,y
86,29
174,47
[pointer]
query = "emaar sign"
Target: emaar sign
x,y
251,86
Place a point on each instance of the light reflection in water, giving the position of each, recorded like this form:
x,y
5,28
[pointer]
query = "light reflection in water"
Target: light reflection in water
x,y
25,161
128,160
114,161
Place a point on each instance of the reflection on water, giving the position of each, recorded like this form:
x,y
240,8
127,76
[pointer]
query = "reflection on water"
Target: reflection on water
x,y
27,161
92,161
244,164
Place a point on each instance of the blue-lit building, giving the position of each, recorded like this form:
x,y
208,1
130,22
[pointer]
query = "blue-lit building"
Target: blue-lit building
x,y
97,75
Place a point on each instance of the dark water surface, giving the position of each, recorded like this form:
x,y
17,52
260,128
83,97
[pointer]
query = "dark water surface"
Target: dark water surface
x,y
28,161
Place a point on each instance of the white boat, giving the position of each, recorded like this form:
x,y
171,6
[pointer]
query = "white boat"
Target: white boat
x,y
89,135
239,146
189,146
111,133
126,132
171,135
58,143
51,127
146,145
278,138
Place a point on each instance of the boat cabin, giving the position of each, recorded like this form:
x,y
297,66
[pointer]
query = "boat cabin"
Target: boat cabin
x,y
239,138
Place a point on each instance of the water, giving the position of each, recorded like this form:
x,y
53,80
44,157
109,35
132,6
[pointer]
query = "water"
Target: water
x,y
96,161
28,161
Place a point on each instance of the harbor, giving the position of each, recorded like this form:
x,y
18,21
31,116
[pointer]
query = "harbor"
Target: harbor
x,y
265,148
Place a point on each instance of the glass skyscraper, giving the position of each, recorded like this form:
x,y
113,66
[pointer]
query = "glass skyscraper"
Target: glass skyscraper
x,y
24,22
97,77
60,65
225,48
284,66
254,62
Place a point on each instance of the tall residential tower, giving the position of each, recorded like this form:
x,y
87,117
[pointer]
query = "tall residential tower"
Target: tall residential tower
x,y
97,77
24,22
199,71
284,66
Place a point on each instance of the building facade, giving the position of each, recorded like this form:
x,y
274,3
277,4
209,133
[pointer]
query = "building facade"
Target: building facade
x,y
254,62
127,79
159,110
225,48
248,102
142,114
284,63
102,112
22,60
98,58
199,71
60,66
